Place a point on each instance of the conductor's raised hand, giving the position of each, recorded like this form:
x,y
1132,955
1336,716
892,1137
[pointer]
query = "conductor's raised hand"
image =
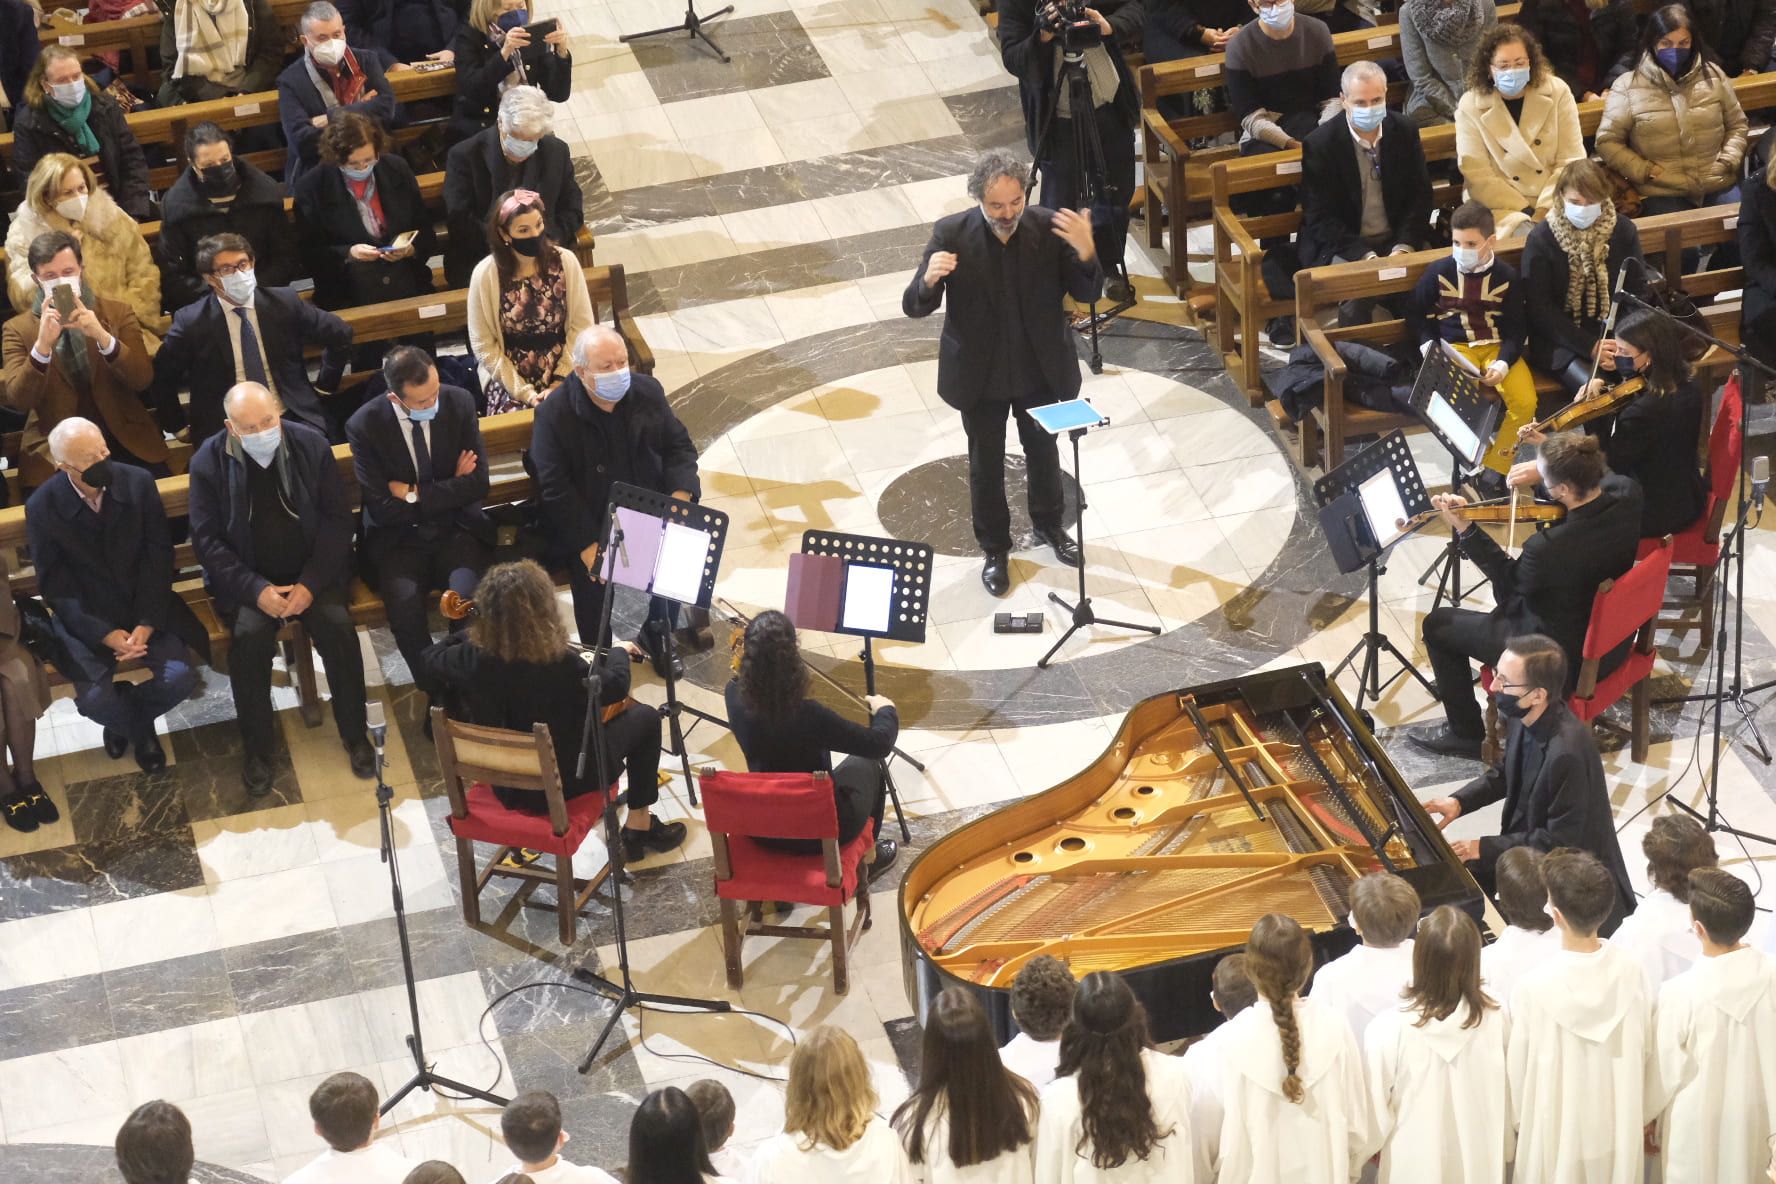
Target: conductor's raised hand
x,y
1450,506
941,264
1075,226
1444,810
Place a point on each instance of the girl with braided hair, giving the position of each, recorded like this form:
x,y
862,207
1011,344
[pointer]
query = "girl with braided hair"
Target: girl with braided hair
x,y
1294,1106
1118,1112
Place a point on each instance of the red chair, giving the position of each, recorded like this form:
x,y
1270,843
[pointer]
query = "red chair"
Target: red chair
x,y
741,807
1696,548
1625,607
472,759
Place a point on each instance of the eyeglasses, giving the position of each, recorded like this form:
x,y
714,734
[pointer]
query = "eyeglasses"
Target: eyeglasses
x,y
227,269
1499,684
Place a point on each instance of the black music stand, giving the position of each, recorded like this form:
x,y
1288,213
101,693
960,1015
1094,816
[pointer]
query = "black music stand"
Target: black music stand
x,y
866,568
669,548
1464,415
691,26
1360,503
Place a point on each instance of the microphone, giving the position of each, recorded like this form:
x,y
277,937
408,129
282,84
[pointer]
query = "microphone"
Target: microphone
x,y
377,724
1760,480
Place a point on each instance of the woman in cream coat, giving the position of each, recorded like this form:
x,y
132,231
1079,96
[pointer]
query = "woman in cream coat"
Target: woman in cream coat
x,y
1509,160
62,193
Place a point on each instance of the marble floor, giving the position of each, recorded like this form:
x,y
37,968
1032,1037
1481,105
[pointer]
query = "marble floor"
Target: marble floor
x,y
173,938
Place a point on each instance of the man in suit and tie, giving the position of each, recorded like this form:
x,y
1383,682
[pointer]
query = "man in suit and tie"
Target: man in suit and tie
x,y
273,529
104,559
90,362
422,476
1006,344
241,332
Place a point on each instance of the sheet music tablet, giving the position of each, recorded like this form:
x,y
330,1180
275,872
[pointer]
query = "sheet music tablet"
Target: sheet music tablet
x,y
1442,413
1055,418
1383,507
678,574
869,598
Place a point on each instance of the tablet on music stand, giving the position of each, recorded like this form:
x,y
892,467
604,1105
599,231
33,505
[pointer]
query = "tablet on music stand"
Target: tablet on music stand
x,y
1074,415
1460,410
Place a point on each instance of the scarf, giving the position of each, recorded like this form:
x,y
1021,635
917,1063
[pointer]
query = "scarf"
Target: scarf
x,y
1452,24
73,120
211,36
1587,253
72,349
369,209
343,87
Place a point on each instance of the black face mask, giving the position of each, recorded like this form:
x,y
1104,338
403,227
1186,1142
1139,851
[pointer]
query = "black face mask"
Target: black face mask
x,y
528,247
218,179
98,474
1509,706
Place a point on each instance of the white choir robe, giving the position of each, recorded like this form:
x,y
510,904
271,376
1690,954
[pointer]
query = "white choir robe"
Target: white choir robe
x,y
1658,933
1715,1057
876,1158
1516,953
1058,1160
1017,1166
1581,1033
1328,1136
1033,1060
1440,1097
1363,983
1203,1063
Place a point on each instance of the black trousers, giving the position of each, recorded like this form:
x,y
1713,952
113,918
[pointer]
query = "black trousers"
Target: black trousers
x,y
1455,637
254,644
632,746
588,598
1061,182
985,424
408,573
860,792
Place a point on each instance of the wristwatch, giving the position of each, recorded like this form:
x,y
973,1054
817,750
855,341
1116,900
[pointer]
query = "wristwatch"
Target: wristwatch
x,y
412,495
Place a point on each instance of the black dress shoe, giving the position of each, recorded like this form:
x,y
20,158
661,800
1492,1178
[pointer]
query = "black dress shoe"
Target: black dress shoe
x,y
42,808
15,807
256,775
887,851
996,573
1065,549
659,836
362,756
654,647
1441,741
116,744
150,755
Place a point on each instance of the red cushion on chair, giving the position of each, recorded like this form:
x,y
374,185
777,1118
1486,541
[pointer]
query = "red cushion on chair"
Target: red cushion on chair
x,y
764,873
491,821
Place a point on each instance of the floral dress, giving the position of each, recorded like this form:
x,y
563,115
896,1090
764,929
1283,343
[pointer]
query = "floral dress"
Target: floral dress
x,y
533,323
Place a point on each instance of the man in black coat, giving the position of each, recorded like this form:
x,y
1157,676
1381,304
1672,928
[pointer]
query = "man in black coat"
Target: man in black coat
x,y
1007,346
1551,778
310,87
104,559
601,426
517,152
1548,589
218,194
1031,50
422,476
273,530
242,332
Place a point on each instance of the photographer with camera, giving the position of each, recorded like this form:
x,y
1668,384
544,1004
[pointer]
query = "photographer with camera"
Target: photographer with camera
x,y
1036,39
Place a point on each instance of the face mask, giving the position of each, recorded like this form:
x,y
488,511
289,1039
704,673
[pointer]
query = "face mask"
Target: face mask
x,y
49,287
612,386
358,175
68,94
516,19
329,53
528,247
425,415
1512,82
1675,61
219,178
1467,258
240,286
1367,119
1278,16
72,208
518,149
1582,217
1509,706
98,474
262,446
1625,366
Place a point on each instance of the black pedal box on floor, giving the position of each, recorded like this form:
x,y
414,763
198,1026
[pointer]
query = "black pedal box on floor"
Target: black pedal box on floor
x,y
1017,622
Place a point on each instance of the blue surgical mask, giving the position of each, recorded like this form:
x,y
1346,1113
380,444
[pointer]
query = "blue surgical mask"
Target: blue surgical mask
x,y
518,149
1675,61
516,19
358,175
1582,217
1367,119
239,287
1278,16
262,446
423,414
1467,258
68,94
611,387
1512,82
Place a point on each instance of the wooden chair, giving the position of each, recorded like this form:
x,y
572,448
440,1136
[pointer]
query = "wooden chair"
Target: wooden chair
x,y
739,808
1697,546
472,758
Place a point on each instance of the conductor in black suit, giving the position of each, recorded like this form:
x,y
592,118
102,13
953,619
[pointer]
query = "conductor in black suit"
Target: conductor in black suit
x,y
1006,343
422,476
1551,778
241,332
1548,589
104,559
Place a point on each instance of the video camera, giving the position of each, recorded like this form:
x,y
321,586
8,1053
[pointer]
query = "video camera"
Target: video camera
x,y
1066,19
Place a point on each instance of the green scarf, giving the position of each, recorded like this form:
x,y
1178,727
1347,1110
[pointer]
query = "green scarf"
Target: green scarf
x,y
72,349
73,121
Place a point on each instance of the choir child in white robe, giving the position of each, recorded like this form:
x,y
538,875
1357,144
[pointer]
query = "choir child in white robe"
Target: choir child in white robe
x,y
665,1143
1436,1066
970,1120
1715,1044
831,1134
1529,937
1368,980
1041,1001
1118,1112
1231,993
1293,1102
1659,931
1581,1027
154,1145
715,1107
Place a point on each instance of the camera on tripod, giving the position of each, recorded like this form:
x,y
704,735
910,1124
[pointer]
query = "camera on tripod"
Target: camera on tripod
x,y
1067,20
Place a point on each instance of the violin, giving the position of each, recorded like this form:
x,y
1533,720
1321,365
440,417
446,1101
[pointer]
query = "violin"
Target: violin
x,y
1585,410
1500,509
454,606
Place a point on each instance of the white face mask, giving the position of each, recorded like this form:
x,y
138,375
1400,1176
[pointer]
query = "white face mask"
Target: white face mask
x,y
329,53
1469,259
72,208
72,283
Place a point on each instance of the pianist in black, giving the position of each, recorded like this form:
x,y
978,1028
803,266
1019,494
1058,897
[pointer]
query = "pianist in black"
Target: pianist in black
x,y
781,730
1548,588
